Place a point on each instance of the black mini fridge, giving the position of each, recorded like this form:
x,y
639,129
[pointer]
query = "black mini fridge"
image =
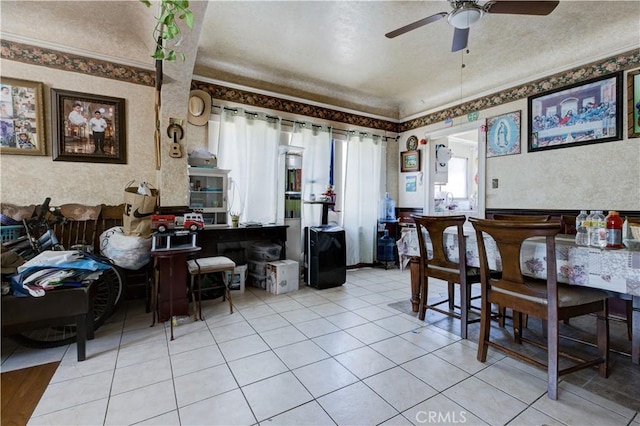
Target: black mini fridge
x,y
325,256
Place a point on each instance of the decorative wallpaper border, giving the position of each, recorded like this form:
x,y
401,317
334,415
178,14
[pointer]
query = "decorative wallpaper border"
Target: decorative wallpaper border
x,y
293,107
73,63
621,62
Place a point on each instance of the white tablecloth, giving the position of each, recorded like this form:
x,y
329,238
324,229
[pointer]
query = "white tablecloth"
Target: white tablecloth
x,y
614,270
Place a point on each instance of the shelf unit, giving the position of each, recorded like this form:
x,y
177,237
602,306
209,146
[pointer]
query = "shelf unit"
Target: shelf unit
x,y
208,194
291,186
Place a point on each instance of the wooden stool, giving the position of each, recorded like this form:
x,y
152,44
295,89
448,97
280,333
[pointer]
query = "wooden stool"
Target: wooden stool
x,y
208,265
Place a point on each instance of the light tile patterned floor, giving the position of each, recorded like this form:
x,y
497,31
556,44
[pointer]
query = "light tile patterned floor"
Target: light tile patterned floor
x,y
334,356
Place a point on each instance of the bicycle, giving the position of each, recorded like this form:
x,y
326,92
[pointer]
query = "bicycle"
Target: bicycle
x,y
40,236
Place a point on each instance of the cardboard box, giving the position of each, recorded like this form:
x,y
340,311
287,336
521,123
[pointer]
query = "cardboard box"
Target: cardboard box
x,y
283,276
236,282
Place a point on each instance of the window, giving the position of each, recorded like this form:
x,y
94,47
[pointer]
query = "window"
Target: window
x,y
458,177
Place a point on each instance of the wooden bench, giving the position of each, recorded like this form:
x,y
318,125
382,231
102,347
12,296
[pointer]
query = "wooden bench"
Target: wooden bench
x,y
56,308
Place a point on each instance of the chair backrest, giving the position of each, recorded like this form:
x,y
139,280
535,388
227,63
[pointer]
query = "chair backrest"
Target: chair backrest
x,y
16,212
568,224
80,226
435,227
522,217
509,236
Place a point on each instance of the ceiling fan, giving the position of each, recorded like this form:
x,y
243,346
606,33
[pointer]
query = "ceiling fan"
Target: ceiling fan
x,y
465,13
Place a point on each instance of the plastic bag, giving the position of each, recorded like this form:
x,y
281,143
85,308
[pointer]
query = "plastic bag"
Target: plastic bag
x,y
126,251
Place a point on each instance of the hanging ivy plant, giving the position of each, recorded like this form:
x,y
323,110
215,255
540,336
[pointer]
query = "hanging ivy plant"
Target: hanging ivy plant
x,y
167,28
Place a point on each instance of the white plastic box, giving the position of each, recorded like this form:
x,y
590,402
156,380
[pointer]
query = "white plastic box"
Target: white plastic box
x,y
283,276
258,268
236,282
264,251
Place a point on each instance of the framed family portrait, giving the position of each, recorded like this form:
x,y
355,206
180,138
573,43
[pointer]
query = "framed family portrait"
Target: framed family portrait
x,y
410,161
88,128
21,117
503,134
584,113
633,109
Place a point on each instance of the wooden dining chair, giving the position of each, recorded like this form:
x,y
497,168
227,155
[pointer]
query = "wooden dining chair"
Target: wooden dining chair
x,y
439,266
522,217
545,299
80,225
568,223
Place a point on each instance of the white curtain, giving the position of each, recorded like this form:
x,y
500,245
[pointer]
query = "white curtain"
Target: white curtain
x,y
316,141
362,192
248,146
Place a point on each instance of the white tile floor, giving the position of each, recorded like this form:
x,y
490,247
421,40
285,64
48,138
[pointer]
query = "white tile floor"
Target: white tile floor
x,y
313,357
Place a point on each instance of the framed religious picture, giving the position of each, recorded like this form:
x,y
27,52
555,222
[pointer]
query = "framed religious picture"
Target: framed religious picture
x,y
633,99
584,113
21,117
88,128
503,134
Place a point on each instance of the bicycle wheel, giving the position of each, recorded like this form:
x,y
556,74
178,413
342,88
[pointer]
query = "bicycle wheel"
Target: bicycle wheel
x,y
108,286
117,281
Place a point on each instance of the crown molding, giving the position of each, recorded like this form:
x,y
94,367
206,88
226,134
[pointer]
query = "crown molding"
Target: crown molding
x,y
74,51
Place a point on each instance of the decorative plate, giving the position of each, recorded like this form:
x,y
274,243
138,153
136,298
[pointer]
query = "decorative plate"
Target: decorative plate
x,y
412,143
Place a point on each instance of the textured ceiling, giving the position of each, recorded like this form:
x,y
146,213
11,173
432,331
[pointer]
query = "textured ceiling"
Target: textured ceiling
x,y
335,52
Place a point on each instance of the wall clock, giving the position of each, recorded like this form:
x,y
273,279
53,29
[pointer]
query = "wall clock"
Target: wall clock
x,y
412,143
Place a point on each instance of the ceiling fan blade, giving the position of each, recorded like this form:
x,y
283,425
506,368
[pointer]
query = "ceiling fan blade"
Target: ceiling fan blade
x,y
521,7
417,24
460,39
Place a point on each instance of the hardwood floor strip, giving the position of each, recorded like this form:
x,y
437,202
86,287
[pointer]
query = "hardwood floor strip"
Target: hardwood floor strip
x,y
22,390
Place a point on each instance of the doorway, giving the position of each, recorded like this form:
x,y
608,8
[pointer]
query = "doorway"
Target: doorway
x,y
457,185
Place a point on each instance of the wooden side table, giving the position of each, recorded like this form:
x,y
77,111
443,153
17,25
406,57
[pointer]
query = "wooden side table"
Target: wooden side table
x,y
170,288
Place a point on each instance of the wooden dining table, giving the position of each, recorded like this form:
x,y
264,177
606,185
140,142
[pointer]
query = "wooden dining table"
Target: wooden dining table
x,y
614,270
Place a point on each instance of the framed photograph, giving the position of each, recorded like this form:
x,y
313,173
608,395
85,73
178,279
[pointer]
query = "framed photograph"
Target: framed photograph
x,y
503,134
410,161
633,109
88,128
21,117
584,113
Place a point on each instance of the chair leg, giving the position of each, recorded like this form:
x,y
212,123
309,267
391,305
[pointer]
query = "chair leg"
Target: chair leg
x,y
517,327
502,313
200,300
227,292
485,329
464,309
193,297
602,328
424,289
451,295
629,312
553,341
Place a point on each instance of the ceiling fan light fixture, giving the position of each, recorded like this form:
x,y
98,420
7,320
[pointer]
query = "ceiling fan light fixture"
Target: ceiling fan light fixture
x,y
465,16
